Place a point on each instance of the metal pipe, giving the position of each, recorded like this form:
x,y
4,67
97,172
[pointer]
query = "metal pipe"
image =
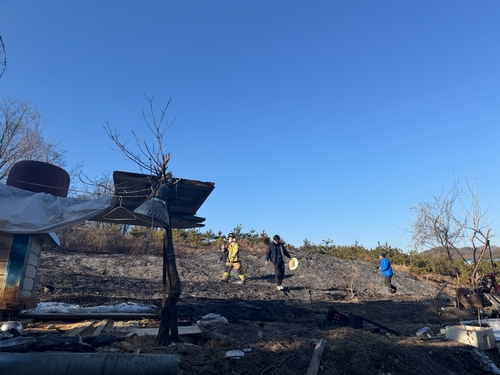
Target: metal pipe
x,y
88,364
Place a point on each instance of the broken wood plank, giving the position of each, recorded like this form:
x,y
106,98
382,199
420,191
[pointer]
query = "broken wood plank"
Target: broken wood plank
x,y
80,329
100,327
316,358
494,300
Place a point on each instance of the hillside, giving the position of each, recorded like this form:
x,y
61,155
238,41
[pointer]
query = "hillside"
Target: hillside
x,y
278,327
465,251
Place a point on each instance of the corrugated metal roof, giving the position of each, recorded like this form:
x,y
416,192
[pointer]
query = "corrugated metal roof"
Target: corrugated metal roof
x,y
132,189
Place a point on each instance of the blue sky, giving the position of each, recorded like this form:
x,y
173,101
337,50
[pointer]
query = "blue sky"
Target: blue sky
x,y
325,120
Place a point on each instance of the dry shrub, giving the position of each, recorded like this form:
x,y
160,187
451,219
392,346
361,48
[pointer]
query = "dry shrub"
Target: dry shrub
x,y
252,247
105,240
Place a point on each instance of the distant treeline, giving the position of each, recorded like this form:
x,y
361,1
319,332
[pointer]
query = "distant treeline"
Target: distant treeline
x,y
466,252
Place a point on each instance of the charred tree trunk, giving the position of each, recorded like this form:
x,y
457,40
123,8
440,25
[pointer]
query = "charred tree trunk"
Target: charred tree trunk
x,y
171,292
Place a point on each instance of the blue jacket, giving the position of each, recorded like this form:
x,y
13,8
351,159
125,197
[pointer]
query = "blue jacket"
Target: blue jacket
x,y
385,267
272,254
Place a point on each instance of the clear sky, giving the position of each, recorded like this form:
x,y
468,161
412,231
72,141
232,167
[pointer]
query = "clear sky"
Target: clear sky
x,y
318,120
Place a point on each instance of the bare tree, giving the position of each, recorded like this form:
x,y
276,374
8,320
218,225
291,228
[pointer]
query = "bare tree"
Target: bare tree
x,y
480,233
156,165
451,218
22,136
98,187
156,158
438,224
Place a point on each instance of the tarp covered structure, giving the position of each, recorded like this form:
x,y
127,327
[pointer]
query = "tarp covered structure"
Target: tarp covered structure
x,y
23,211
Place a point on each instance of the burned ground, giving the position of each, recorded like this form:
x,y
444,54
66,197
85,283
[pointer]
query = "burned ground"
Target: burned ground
x,y
279,327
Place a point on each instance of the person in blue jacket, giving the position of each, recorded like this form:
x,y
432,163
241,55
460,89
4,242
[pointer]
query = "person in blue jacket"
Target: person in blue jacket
x,y
386,269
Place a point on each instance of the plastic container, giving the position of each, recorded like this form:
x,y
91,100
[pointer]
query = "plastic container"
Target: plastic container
x,y
425,331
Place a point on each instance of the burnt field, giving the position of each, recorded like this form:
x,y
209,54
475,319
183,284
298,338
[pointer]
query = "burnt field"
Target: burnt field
x,y
278,329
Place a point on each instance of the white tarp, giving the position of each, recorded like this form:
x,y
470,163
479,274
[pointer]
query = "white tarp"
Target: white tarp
x,y
24,212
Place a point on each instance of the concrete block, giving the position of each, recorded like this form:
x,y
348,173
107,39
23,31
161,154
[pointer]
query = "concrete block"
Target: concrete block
x,y
479,337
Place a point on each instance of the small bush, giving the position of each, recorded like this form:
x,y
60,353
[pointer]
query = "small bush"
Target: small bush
x,y
107,239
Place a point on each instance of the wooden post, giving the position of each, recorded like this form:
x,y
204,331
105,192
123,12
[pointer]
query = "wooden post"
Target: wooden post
x,y
169,330
316,358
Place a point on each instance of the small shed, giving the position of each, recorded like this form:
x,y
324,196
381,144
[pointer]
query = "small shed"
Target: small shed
x,y
19,262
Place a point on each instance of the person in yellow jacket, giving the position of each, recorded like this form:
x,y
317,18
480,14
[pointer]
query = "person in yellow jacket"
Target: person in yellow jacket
x,y
233,260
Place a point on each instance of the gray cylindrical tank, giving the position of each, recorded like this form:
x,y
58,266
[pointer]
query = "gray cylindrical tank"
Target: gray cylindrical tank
x,y
88,364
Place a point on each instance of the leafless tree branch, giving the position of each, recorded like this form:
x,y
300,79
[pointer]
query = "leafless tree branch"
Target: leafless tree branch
x,y
157,166
3,58
22,136
150,157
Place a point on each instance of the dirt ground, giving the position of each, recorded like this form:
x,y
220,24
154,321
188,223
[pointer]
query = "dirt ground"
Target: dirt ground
x,y
279,329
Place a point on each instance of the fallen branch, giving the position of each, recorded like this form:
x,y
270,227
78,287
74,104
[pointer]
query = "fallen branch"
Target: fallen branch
x,y
273,366
381,326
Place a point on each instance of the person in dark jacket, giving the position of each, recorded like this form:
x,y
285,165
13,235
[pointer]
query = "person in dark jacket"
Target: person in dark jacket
x,y
386,269
276,252
223,254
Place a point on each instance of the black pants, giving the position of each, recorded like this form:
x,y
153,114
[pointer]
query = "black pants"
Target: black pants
x,y
279,270
387,282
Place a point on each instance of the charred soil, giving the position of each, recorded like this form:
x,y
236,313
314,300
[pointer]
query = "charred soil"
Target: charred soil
x,y
278,329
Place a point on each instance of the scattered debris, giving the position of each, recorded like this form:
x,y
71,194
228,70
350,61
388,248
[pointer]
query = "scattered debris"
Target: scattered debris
x,y
234,354
212,319
80,328
352,320
16,344
469,299
183,330
12,325
425,331
487,362
49,289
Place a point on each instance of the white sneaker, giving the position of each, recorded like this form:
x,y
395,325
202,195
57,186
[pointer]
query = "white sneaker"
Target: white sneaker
x,y
279,287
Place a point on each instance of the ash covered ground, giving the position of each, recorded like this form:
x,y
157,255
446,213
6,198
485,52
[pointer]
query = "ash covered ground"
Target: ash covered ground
x,y
279,326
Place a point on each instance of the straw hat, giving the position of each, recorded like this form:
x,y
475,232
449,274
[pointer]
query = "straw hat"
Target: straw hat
x,y
293,264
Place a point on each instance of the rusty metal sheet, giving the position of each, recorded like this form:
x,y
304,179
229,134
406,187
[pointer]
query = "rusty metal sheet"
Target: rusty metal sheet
x,y
132,189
